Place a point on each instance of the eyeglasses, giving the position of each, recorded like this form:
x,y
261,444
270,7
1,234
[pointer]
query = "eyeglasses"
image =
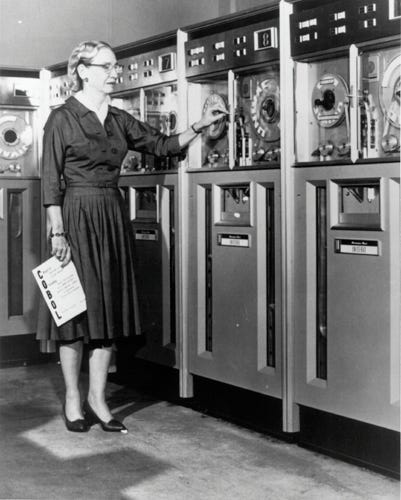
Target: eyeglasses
x,y
108,67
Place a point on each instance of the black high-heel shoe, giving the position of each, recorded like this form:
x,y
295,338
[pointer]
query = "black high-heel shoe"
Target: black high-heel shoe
x,y
79,425
112,425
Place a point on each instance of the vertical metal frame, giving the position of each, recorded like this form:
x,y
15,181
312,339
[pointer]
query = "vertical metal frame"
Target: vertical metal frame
x,y
191,104
290,409
186,379
46,346
142,101
354,73
158,202
395,257
1,203
231,128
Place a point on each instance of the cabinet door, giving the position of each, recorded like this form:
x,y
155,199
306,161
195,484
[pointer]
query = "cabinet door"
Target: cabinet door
x,y
20,219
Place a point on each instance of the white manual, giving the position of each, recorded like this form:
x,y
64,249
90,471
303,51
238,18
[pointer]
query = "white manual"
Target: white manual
x,y
61,289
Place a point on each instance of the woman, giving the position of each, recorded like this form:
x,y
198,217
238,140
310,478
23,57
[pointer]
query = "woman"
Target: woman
x,y
85,141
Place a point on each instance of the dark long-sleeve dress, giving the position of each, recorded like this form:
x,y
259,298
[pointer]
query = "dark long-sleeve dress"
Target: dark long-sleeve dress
x,y
88,156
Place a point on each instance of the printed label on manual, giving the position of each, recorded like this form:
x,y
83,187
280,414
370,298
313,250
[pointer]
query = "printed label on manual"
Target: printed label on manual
x,y
61,289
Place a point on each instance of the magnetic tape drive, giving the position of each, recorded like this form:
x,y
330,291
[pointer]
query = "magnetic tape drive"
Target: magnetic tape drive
x,y
330,106
16,139
215,138
257,118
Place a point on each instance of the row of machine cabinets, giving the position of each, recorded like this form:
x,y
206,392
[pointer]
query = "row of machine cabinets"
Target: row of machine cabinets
x,y
269,258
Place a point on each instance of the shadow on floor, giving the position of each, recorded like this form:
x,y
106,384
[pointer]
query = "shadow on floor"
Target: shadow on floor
x,y
40,459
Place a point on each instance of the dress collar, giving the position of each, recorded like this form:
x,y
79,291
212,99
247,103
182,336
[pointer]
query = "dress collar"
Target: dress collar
x,y
80,109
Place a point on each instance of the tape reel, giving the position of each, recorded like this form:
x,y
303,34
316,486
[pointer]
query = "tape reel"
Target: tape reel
x,y
389,98
329,100
217,129
168,123
390,89
168,107
265,110
172,122
16,137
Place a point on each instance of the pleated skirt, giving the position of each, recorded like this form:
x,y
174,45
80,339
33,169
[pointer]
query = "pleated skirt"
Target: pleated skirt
x,y
100,237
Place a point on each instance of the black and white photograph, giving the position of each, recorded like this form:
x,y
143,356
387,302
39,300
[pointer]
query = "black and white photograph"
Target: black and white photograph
x,y
200,265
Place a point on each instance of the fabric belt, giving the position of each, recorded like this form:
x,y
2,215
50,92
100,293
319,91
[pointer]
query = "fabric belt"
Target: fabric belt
x,y
92,184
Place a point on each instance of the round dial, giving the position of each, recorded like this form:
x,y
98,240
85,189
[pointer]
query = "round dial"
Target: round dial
x,y
265,110
329,100
15,137
216,129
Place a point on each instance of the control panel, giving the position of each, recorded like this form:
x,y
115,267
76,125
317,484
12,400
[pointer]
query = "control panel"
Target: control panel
x,y
59,90
341,23
19,91
145,69
231,49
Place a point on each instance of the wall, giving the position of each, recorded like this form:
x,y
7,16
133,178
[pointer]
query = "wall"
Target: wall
x,y
37,33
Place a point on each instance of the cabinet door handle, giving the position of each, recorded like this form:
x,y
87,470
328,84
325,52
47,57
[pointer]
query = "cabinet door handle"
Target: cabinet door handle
x,y
2,204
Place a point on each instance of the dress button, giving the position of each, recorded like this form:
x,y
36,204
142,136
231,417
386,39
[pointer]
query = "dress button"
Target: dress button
x,y
114,150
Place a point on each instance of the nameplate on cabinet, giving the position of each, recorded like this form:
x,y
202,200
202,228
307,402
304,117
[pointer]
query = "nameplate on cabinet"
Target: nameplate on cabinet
x,y
146,234
234,240
357,247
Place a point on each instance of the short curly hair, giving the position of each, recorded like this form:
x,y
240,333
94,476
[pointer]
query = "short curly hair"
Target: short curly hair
x,y
85,52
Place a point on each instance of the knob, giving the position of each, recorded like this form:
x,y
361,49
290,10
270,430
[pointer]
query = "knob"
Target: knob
x,y
259,154
389,143
326,149
14,167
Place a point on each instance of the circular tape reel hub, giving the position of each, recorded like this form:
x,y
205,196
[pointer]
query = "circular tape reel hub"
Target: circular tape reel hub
x,y
16,137
329,100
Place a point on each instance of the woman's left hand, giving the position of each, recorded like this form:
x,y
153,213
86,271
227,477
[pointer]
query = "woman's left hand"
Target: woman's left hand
x,y
211,115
